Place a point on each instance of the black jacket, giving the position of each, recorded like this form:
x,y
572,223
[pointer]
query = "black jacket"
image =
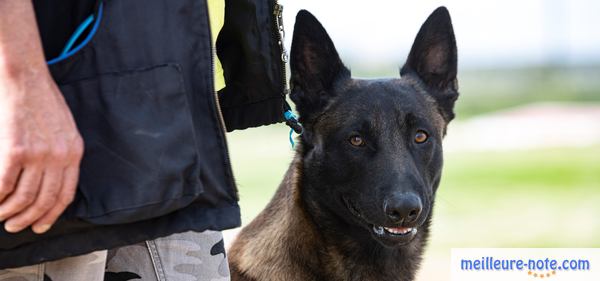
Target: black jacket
x,y
141,91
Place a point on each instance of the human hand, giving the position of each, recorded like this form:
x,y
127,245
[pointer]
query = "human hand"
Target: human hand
x,y
40,152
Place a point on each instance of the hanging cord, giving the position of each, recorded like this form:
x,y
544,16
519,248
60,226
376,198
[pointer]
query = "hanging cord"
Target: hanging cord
x,y
70,48
80,29
292,121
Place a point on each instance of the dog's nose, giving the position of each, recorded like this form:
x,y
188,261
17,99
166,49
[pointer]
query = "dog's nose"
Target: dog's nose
x,y
404,208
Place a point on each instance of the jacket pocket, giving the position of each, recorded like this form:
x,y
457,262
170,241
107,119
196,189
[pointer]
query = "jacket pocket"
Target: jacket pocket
x,y
140,158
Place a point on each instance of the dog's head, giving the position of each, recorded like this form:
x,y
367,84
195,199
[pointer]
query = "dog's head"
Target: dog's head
x,y
373,148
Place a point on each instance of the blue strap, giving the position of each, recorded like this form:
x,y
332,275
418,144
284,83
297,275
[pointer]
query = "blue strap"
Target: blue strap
x,y
292,138
290,116
67,51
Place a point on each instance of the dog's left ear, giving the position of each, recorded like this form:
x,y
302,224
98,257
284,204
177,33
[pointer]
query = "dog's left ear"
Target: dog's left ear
x,y
433,59
315,66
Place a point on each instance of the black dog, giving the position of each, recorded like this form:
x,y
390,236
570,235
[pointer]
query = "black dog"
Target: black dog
x,y
356,202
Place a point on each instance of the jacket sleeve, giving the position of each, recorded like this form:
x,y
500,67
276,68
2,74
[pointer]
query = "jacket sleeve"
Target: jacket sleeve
x,y
248,48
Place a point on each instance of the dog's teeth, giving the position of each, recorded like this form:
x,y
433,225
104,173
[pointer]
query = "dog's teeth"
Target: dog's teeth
x,y
398,230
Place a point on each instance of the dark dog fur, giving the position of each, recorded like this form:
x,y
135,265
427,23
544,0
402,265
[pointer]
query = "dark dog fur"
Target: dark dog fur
x,y
362,165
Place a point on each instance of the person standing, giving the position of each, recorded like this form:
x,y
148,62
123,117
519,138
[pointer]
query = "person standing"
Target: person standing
x,y
112,132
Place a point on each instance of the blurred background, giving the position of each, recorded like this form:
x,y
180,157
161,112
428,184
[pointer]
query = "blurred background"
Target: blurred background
x,y
522,159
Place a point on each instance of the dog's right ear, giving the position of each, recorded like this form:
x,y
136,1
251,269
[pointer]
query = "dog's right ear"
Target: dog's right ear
x,y
315,66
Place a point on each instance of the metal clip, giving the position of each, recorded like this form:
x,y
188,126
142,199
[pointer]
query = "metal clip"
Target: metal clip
x,y
279,20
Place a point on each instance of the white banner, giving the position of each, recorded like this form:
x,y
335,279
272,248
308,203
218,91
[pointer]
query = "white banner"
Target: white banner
x,y
525,264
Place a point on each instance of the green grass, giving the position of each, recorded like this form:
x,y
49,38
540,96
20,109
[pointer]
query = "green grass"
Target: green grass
x,y
260,158
551,169
539,198
518,199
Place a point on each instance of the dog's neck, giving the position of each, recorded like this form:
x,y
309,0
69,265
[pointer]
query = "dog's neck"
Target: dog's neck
x,y
287,242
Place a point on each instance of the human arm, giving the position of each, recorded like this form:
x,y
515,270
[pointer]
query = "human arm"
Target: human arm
x,y
40,146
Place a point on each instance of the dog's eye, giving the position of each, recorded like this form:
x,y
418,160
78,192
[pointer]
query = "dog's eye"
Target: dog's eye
x,y
357,141
421,136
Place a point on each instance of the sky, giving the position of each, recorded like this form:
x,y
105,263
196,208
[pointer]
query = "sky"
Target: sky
x,y
491,33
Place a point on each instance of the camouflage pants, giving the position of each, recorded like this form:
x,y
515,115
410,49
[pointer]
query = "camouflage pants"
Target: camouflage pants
x,y
179,257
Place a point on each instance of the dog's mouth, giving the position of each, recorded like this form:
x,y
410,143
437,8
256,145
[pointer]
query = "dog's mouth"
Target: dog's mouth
x,y
399,231
391,236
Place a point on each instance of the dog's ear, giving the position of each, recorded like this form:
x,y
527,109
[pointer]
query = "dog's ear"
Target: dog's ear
x,y
433,59
315,66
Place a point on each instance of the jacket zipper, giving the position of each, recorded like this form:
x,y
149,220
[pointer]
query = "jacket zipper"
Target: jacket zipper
x,y
280,36
213,54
